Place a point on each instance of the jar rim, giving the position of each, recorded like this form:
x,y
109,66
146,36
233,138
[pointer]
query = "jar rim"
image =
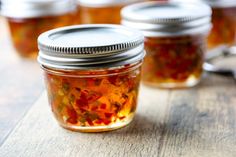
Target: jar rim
x,y
36,8
99,72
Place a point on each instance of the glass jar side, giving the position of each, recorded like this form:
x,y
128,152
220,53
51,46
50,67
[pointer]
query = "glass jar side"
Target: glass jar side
x,y
93,100
25,31
109,14
99,15
78,16
224,27
174,62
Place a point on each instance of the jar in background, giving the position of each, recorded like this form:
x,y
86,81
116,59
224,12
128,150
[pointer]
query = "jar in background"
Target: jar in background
x,y
224,23
92,75
27,19
102,11
175,39
78,14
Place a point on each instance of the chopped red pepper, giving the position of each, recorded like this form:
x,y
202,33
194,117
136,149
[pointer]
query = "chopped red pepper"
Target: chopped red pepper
x,y
72,116
103,106
108,115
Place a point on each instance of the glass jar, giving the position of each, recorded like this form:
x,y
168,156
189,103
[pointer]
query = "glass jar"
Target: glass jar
x,y
102,11
78,15
33,17
224,23
93,80
175,39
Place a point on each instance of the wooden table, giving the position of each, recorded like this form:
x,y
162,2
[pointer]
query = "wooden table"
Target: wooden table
x,y
196,122
20,84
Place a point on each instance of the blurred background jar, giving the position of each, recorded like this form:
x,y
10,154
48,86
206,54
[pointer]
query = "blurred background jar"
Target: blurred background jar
x,y
27,19
223,32
224,23
102,11
175,40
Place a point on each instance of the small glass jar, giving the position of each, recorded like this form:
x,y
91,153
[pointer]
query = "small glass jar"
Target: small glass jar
x,y
28,19
175,39
92,75
102,11
224,23
78,15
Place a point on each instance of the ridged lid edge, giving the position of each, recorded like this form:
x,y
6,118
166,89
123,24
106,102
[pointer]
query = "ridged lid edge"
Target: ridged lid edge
x,y
127,14
31,9
72,57
46,45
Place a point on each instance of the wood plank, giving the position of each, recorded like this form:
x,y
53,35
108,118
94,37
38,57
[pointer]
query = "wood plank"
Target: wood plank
x,y
202,122
20,85
46,138
196,122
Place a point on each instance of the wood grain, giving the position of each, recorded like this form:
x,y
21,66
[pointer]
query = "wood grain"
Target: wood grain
x,y
196,122
20,84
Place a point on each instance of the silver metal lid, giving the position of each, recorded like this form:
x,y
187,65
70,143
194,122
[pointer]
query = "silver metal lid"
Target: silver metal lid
x,y
105,3
90,46
213,3
168,18
221,3
36,8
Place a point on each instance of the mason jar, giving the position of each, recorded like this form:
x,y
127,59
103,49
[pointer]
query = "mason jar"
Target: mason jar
x,y
223,32
92,75
102,11
27,19
175,41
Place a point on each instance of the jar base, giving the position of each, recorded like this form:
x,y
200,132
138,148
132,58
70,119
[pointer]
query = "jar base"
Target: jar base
x,y
190,82
94,129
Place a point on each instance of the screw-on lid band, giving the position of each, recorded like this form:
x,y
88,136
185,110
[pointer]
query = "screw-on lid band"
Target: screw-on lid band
x,y
36,8
167,18
90,46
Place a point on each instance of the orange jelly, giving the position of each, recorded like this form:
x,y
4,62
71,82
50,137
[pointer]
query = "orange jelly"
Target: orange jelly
x,y
173,61
27,24
102,11
92,86
101,15
90,98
